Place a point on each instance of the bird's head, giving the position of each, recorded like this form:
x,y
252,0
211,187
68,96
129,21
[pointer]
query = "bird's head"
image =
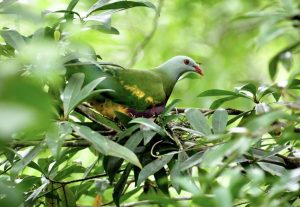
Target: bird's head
x,y
184,64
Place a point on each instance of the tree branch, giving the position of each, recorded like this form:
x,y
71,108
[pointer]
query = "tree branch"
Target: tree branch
x,y
148,37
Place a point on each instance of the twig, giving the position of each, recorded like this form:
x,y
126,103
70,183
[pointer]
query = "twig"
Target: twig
x,y
230,111
149,202
148,37
79,180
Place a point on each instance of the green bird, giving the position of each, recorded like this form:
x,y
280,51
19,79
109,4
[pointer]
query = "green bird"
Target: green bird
x,y
137,93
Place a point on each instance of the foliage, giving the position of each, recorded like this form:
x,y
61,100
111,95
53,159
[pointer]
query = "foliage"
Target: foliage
x,y
57,151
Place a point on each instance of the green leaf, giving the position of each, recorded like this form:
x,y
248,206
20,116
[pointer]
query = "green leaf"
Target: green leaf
x,y
273,169
217,103
106,146
13,38
149,123
119,187
38,191
73,94
250,87
170,106
72,5
161,179
195,159
113,164
219,121
153,167
273,65
105,29
223,197
263,121
218,92
198,121
214,156
119,5
21,164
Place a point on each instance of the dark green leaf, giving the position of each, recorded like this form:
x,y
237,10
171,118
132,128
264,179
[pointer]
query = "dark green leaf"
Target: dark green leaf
x,y
218,92
153,167
161,178
250,88
119,5
217,103
273,65
119,187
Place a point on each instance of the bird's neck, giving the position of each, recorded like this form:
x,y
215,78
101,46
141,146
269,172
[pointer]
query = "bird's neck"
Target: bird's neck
x,y
169,77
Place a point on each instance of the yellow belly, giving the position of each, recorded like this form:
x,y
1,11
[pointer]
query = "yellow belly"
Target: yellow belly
x,y
108,108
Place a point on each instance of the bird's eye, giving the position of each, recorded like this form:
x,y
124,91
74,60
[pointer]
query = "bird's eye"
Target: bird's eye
x,y
186,61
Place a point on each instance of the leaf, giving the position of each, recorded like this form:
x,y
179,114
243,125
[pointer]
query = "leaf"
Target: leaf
x,y
223,197
21,164
195,159
98,4
249,87
73,94
219,121
214,156
119,187
149,123
13,38
37,192
198,121
273,65
105,29
153,167
119,5
170,106
218,92
217,103
106,146
161,179
72,5
263,121
273,169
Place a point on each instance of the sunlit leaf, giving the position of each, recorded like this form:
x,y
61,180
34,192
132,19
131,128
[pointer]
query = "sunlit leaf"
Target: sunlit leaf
x,y
13,38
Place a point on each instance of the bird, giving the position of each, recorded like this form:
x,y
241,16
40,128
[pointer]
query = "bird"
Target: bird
x,y
136,93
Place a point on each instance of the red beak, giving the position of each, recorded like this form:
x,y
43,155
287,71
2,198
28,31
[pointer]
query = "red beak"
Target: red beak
x,y
198,70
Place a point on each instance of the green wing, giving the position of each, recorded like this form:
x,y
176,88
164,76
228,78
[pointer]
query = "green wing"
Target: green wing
x,y
134,88
145,88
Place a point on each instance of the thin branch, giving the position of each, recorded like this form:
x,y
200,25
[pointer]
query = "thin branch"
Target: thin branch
x,y
230,111
148,37
149,202
78,180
